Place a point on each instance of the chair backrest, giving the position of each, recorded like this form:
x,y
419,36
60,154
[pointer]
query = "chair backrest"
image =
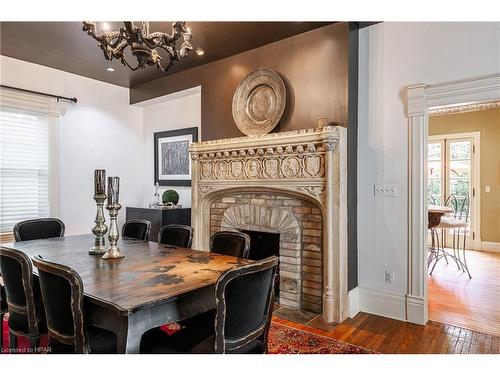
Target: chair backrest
x,y
236,244
452,202
463,213
36,229
176,235
21,295
62,291
245,298
137,228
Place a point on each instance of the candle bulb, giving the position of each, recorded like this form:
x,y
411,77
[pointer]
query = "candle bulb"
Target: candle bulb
x,y
99,182
113,190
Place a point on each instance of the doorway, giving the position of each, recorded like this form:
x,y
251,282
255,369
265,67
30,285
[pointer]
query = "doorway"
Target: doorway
x,y
453,177
476,93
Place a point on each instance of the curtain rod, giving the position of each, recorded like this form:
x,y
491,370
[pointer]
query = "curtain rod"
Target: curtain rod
x,y
58,97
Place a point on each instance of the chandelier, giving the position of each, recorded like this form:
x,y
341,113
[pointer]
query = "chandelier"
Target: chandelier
x,y
144,45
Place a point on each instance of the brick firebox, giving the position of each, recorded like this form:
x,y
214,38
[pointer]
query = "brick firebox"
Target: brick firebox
x,y
299,224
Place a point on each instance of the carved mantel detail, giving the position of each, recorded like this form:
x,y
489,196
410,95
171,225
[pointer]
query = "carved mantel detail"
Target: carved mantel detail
x,y
308,163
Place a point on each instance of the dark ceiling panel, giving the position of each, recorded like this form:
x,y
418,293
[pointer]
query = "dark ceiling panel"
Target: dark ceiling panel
x,y
64,46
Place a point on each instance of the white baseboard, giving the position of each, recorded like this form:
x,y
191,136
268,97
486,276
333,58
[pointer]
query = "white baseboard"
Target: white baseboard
x,y
384,304
416,311
490,246
353,302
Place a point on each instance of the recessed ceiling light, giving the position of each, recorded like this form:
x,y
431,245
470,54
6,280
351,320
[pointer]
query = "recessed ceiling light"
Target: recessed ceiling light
x,y
200,52
110,69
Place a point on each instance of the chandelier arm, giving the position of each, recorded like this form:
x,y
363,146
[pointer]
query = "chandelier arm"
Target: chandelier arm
x,y
110,38
125,62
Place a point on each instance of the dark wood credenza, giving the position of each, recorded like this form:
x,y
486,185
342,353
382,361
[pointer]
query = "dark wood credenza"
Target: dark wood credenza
x,y
159,217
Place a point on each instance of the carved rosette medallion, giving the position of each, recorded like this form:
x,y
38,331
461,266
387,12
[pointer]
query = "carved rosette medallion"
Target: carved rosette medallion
x,y
290,167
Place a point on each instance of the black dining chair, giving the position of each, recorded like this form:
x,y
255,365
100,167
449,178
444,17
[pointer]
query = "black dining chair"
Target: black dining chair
x,y
36,229
3,311
136,228
232,243
176,235
244,303
62,291
24,301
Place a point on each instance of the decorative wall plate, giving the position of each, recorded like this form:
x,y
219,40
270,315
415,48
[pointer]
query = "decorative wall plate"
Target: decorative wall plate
x,y
259,102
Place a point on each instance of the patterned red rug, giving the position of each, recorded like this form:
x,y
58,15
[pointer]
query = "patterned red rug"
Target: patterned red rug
x,y
287,340
282,340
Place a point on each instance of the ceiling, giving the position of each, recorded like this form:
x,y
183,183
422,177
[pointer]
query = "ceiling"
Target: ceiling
x,y
64,46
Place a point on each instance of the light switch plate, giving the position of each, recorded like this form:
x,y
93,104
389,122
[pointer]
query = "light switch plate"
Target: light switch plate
x,y
487,189
386,190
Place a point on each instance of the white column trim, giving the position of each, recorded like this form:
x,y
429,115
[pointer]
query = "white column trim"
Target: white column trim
x,y
422,99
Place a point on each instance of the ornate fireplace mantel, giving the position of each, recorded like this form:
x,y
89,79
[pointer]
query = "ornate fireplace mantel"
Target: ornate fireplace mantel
x,y
309,164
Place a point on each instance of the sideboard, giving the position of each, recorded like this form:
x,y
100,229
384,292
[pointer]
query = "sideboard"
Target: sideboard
x,y
159,216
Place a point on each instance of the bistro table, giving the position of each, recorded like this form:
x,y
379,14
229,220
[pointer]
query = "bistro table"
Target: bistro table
x,y
153,285
435,213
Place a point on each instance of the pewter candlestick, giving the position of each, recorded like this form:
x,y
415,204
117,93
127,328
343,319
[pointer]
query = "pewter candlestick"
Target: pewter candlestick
x,y
113,207
100,228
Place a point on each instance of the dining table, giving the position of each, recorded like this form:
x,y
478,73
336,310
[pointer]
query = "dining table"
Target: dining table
x,y
434,214
153,285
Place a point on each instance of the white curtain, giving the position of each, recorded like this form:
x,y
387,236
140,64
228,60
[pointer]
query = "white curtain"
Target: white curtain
x,y
29,162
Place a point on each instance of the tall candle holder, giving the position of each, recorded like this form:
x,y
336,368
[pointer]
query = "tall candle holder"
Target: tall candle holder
x,y
100,229
113,251
113,207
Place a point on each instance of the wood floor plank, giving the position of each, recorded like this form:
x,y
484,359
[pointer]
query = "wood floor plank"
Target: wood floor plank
x,y
470,303
393,336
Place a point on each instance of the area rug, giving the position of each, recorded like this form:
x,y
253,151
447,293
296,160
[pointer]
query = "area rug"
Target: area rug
x,y
287,340
282,340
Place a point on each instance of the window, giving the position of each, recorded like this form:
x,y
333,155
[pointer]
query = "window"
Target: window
x,y
27,163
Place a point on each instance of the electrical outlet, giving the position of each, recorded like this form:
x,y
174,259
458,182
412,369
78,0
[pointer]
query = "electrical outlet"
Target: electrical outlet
x,y
386,190
389,277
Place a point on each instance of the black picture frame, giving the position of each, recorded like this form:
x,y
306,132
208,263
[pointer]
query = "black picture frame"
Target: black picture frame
x,y
190,134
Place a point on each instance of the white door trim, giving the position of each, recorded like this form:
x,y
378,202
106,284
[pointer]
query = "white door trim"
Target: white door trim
x,y
420,100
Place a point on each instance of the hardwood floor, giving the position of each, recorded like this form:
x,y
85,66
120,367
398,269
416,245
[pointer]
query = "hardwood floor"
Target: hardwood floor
x,y
391,336
469,303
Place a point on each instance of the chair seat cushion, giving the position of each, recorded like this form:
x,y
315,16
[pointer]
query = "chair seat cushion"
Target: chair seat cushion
x,y
451,223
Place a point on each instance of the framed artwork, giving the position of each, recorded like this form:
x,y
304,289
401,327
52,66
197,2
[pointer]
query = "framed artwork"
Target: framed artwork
x,y
172,161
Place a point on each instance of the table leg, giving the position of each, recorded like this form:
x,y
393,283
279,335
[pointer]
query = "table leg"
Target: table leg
x,y
129,336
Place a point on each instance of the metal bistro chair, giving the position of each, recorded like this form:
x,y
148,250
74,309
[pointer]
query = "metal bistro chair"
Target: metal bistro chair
x,y
176,235
232,243
24,301
62,291
244,302
36,229
137,228
459,222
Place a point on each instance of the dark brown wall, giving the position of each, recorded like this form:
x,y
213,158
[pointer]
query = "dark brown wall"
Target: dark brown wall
x,y
314,66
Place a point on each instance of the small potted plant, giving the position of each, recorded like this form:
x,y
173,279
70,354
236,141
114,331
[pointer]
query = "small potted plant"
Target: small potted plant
x,y
170,198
